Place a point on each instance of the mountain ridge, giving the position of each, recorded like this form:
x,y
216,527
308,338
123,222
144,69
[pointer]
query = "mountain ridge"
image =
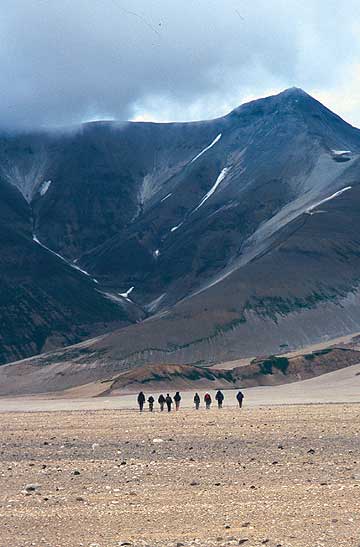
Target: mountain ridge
x,y
214,226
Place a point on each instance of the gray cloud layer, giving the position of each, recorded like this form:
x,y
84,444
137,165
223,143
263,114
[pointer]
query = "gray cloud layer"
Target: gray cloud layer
x,y
66,62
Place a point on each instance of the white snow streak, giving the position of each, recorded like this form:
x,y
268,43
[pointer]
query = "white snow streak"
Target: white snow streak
x,y
174,228
82,271
213,189
71,264
208,147
340,152
335,195
127,293
166,197
45,187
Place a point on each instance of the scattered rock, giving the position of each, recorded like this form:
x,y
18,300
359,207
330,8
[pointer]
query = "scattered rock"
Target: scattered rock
x,y
76,472
242,541
194,483
32,487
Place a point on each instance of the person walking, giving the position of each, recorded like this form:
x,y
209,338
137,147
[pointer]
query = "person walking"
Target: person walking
x,y
196,401
161,401
240,397
219,397
169,402
177,399
151,401
141,401
207,400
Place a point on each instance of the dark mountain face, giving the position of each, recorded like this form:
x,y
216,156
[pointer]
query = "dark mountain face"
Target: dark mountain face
x,y
217,225
274,158
44,301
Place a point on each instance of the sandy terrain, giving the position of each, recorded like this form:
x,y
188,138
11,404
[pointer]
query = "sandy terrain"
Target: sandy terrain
x,y
277,476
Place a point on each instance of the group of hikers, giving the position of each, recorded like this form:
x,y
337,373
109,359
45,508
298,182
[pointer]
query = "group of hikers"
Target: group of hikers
x,y
169,401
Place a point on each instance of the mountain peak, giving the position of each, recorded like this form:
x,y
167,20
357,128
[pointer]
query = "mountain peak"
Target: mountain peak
x,y
293,92
290,98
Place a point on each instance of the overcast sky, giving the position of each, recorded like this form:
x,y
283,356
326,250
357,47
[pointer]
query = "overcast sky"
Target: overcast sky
x,y
64,62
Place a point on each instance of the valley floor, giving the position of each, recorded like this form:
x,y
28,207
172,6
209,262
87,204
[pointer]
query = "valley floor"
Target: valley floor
x,y
341,386
284,476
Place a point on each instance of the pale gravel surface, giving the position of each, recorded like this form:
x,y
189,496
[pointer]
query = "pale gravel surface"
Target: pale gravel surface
x,y
341,386
284,476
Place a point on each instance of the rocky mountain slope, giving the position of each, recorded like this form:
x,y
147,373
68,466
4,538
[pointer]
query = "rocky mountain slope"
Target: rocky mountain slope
x,y
207,241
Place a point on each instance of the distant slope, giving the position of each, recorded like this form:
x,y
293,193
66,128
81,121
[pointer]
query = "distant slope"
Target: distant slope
x,y
81,372
271,371
236,236
303,289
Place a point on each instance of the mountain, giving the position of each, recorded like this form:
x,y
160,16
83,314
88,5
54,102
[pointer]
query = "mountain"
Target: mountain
x,y
207,241
45,302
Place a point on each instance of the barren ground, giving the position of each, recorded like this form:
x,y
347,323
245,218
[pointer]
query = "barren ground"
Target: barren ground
x,y
281,475
340,386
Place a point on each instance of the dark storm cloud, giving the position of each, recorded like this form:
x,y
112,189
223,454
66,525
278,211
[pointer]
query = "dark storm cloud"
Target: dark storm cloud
x,y
65,62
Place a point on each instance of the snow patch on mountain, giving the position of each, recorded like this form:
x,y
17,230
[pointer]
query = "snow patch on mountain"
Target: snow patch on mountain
x,y
333,196
213,188
126,294
45,187
82,271
71,264
323,175
207,148
340,152
174,228
166,197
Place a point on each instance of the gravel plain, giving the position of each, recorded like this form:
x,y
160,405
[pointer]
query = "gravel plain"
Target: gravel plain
x,y
284,476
